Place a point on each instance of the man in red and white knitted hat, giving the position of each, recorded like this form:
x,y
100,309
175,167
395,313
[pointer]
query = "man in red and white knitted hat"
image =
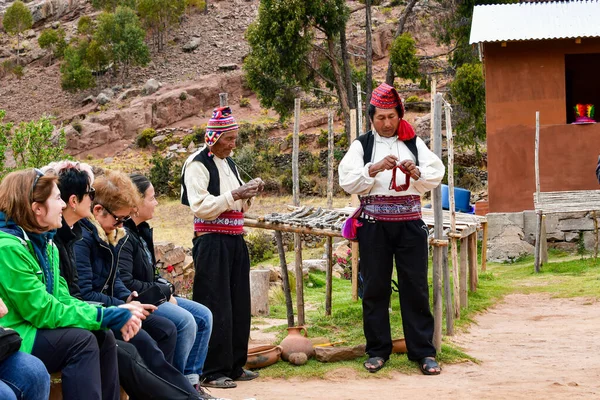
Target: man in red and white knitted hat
x,y
212,187
390,168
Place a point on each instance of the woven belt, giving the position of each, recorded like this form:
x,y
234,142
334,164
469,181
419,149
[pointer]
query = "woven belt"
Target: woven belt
x,y
391,208
229,223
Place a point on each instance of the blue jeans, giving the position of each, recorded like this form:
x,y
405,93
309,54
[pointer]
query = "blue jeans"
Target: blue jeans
x,y
194,326
23,376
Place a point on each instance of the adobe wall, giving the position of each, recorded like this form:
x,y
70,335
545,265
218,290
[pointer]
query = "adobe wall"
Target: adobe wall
x,y
522,78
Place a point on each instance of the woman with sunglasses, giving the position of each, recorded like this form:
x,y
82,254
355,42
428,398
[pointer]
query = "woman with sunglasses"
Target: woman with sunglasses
x,y
98,255
192,319
55,327
75,183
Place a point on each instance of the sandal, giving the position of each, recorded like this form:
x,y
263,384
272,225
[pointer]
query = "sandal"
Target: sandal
x,y
223,382
427,364
374,364
247,375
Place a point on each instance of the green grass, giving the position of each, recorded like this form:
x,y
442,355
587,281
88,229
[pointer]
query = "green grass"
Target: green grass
x,y
563,276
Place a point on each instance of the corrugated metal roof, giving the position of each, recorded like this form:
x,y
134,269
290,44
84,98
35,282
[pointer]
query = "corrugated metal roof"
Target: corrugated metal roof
x,y
535,21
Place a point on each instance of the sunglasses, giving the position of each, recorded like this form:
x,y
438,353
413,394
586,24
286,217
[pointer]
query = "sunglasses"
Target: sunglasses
x,y
118,220
92,193
38,175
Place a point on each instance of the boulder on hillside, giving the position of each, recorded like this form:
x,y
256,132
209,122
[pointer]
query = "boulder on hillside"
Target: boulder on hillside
x,y
191,45
151,86
129,93
102,99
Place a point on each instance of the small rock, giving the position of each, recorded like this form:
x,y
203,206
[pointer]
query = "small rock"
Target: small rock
x,y
191,147
55,25
228,67
298,358
182,150
88,100
117,88
173,147
102,99
129,93
108,160
150,86
109,93
30,34
191,45
333,354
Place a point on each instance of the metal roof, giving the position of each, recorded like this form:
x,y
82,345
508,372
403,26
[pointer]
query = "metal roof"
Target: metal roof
x,y
535,21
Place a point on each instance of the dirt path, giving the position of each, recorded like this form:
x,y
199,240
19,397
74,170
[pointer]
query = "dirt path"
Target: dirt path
x,y
530,346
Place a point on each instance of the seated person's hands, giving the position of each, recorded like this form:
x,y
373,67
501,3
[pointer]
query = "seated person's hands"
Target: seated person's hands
x,y
131,328
3,309
145,309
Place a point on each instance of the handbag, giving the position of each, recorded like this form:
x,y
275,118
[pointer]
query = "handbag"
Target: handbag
x,y
10,342
152,295
351,225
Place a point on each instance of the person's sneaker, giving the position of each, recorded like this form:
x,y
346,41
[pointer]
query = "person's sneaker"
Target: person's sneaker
x,y
205,395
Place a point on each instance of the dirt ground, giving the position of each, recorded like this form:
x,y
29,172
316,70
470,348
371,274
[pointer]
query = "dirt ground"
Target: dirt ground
x,y
528,346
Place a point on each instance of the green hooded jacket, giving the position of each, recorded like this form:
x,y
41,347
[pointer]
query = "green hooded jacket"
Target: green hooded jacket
x,y
30,306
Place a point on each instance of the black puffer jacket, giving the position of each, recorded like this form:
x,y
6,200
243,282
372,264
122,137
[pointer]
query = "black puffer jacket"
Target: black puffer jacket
x,y
64,241
141,274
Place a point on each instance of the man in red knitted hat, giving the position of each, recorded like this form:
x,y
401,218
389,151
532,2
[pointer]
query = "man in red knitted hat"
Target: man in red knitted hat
x,y
390,168
212,187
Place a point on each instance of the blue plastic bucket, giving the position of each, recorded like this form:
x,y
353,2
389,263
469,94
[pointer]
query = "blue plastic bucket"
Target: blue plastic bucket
x,y
462,199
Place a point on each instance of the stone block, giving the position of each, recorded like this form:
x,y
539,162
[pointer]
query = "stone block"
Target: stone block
x,y
498,222
571,236
333,354
160,248
564,246
576,224
555,236
530,226
589,239
315,265
174,256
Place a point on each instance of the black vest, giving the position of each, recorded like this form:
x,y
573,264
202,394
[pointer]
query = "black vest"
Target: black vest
x,y
214,182
368,140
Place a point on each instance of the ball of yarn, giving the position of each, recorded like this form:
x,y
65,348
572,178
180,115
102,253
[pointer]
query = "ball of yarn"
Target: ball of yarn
x,y
298,358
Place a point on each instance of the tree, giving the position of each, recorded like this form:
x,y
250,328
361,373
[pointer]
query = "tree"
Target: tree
x,y
123,38
403,57
159,15
389,76
111,5
54,40
32,143
17,19
468,96
75,72
85,26
284,54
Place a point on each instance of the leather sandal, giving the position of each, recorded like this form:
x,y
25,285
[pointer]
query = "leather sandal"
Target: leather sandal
x,y
428,363
223,382
374,364
247,375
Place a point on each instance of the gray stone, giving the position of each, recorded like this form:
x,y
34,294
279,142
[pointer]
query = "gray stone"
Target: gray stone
x,y
108,160
333,354
315,265
158,139
160,248
129,93
88,100
109,93
530,226
191,147
30,34
228,67
298,358
150,86
589,239
555,236
564,246
576,224
174,256
571,236
182,150
102,99
191,45
173,147
499,222
508,251
55,25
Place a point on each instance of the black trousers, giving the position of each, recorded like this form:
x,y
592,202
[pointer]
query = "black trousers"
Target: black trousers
x,y
164,333
155,360
140,382
380,243
88,363
222,283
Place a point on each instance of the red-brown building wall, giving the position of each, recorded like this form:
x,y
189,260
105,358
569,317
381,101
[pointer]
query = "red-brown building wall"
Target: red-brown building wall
x,y
522,78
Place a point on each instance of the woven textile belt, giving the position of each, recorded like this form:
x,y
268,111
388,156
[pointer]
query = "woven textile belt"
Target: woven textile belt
x,y
229,223
391,208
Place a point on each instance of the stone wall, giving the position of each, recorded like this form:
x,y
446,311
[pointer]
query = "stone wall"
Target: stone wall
x,y
176,265
512,235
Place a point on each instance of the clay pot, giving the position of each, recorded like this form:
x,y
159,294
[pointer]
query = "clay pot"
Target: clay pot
x,y
262,356
296,342
399,346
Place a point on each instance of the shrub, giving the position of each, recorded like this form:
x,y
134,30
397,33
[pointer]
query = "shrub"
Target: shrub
x,y
468,93
403,57
244,102
183,96
323,138
187,139
260,246
413,99
145,137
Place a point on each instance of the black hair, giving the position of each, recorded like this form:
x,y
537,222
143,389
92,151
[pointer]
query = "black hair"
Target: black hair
x,y
141,182
73,181
371,111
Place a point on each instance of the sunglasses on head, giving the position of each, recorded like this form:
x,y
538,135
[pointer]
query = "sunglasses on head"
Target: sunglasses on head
x,y
118,220
92,193
38,175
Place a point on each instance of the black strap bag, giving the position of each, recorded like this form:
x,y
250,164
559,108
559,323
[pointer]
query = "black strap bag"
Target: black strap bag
x,y
10,342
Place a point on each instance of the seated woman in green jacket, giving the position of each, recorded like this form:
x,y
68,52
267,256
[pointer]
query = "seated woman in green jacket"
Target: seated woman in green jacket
x,y
55,327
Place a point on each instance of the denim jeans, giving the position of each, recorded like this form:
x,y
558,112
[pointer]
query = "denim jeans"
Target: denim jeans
x,y
23,376
194,326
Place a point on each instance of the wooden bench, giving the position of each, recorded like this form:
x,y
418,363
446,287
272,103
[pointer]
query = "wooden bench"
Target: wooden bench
x,y
562,202
56,388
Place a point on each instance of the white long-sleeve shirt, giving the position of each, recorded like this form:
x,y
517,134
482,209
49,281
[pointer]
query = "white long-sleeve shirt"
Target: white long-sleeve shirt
x,y
203,204
354,174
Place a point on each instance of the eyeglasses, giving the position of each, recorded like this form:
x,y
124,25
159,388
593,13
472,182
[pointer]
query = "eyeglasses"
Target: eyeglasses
x,y
38,175
118,220
92,193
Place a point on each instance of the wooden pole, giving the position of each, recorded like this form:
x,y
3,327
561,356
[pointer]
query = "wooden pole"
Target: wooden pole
x,y
329,245
296,196
464,298
473,276
453,244
538,230
543,242
359,109
431,122
484,227
355,203
287,291
437,229
447,293
595,234
223,102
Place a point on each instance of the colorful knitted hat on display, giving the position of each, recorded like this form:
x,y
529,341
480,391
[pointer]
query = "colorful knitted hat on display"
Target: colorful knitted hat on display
x,y
222,121
386,97
584,114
